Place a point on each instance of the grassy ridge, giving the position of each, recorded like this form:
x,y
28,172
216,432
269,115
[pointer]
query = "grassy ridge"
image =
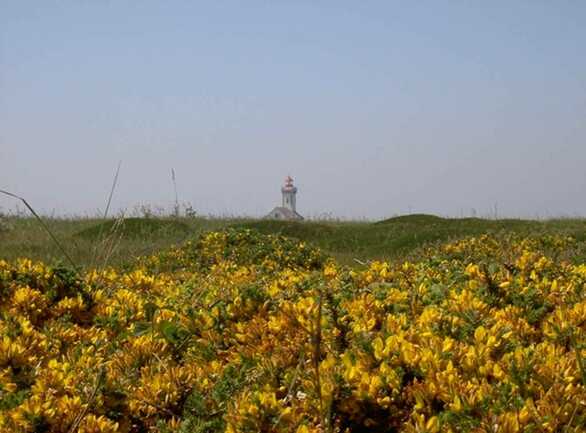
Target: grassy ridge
x,y
392,238
98,241
404,235
136,228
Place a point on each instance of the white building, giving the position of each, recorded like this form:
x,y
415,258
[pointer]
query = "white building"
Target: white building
x,y
288,209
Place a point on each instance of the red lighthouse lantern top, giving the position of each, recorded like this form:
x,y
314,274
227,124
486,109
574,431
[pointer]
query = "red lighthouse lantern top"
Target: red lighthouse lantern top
x,y
289,187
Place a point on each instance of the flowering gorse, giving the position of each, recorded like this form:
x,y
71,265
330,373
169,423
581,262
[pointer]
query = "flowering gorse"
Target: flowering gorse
x,y
239,332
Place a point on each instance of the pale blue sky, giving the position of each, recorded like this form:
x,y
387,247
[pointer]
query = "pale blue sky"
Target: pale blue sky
x,y
375,108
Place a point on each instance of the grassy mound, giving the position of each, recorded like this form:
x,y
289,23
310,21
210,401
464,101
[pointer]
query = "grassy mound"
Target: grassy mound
x,y
416,219
240,247
406,235
293,229
396,238
133,228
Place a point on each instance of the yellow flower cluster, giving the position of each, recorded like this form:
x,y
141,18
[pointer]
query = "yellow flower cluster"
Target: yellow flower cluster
x,y
240,332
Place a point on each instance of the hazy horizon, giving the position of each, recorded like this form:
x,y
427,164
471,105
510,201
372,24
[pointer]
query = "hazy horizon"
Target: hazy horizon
x,y
374,108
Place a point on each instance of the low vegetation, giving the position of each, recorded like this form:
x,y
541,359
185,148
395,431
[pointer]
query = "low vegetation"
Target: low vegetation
x,y
93,241
237,331
136,228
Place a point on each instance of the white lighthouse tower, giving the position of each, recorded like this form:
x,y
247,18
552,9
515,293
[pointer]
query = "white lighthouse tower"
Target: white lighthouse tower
x,y
289,192
288,209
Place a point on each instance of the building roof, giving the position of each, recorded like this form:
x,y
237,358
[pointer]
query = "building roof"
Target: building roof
x,y
284,213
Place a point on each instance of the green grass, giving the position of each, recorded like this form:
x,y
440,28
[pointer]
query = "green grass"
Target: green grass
x,y
136,228
97,241
402,236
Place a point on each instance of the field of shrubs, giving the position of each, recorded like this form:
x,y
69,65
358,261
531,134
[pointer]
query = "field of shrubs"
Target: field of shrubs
x,y
242,332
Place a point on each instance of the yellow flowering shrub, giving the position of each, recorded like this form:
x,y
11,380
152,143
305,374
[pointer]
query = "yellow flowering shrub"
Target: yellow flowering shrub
x,y
239,332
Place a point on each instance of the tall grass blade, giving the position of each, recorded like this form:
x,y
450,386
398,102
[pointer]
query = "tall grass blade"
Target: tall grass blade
x,y
44,225
99,239
114,183
176,210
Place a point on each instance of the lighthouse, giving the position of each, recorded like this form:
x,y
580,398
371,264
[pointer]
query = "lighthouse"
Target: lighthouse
x,y
289,192
288,208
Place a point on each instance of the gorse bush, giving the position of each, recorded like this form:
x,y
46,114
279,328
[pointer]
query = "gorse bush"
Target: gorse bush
x,y
241,332
238,247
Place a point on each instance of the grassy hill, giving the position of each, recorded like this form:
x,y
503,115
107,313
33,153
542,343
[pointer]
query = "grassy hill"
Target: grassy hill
x,y
95,241
404,235
135,228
